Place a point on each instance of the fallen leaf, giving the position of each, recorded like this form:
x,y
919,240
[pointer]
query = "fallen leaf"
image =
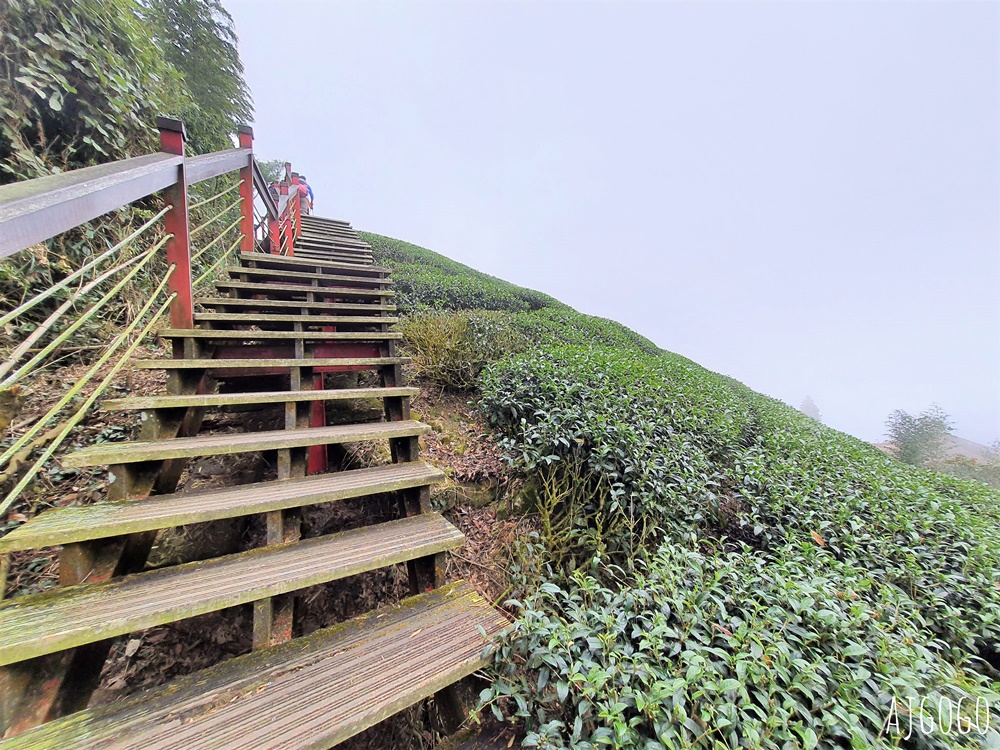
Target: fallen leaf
x,y
818,538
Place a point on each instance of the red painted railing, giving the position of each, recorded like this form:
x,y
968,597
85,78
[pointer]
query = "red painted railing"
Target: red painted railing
x,y
37,210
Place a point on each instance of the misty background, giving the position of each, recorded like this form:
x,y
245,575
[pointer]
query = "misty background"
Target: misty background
x,y
802,195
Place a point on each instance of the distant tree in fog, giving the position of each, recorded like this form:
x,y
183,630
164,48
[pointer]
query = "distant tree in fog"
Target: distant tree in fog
x,y
919,440
809,408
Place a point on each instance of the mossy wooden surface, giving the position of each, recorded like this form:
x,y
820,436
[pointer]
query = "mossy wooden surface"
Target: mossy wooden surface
x,y
207,333
284,289
100,520
282,274
286,261
229,443
295,304
57,620
133,403
313,692
229,364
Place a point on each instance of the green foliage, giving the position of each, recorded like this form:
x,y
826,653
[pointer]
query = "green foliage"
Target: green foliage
x,y
919,440
272,169
80,83
198,40
718,650
811,541
452,348
425,280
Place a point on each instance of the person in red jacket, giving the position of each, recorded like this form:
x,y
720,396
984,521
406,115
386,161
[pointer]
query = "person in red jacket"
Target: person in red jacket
x,y
305,195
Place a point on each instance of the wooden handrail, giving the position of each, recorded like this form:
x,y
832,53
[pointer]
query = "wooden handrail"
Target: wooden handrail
x,y
39,209
207,166
260,183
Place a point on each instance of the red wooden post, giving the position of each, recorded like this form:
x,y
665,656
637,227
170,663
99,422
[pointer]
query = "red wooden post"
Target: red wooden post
x,y
176,223
246,191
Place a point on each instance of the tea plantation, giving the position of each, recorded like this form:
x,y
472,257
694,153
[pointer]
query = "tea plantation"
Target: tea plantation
x,y
714,569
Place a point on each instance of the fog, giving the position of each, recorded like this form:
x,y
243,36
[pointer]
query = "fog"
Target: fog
x,y
804,196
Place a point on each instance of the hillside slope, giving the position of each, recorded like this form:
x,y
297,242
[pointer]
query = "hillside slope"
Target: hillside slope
x,y
714,569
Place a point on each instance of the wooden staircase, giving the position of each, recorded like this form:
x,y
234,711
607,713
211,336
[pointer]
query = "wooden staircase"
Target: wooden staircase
x,y
278,319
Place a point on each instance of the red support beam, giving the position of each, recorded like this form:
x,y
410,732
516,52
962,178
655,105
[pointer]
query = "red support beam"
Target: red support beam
x,y
178,247
246,191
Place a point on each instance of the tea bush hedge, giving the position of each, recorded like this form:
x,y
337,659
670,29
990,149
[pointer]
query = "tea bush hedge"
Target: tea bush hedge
x,y
720,571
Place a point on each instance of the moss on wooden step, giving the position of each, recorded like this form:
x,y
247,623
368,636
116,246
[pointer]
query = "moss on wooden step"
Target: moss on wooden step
x,y
244,335
374,308
230,443
229,364
100,520
312,692
285,289
65,618
167,401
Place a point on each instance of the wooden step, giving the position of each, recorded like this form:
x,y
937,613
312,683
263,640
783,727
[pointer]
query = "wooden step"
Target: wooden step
x,y
285,304
292,262
208,400
241,442
85,522
299,289
44,623
324,242
331,256
244,335
314,219
280,274
230,364
312,692
307,320
341,253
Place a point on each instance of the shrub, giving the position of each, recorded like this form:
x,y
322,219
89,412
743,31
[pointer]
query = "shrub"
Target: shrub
x,y
452,349
809,538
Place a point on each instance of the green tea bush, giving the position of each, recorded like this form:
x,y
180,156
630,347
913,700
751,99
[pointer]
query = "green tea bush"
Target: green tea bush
x,y
425,280
709,467
722,650
714,569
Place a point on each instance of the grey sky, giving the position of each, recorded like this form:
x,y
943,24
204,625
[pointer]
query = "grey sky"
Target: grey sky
x,y
803,195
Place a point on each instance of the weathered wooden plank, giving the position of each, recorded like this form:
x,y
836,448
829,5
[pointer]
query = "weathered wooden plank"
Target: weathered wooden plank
x,y
35,210
297,289
307,320
229,364
136,403
205,167
245,335
296,304
312,692
100,520
269,273
226,444
283,261
39,624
